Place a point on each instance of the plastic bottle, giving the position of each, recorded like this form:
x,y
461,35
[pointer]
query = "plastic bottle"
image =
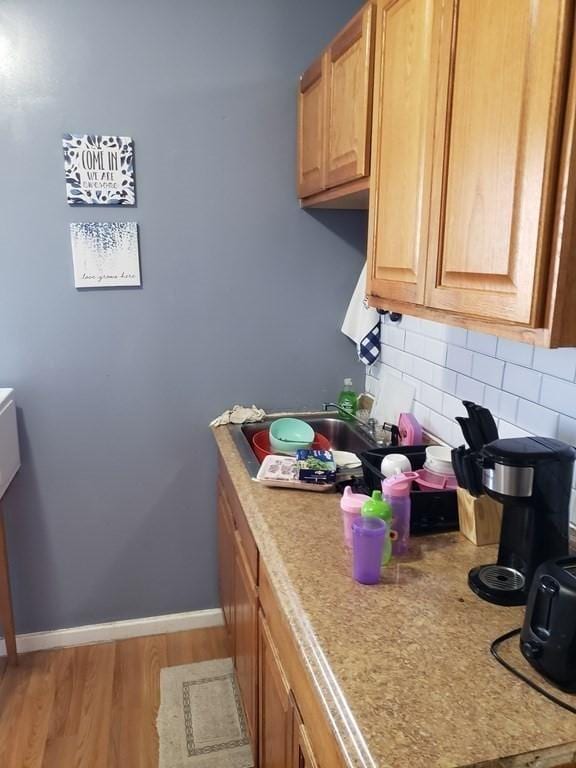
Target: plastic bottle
x,y
377,507
348,400
396,490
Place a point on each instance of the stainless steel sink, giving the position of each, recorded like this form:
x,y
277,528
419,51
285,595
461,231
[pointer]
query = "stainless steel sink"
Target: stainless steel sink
x,y
343,435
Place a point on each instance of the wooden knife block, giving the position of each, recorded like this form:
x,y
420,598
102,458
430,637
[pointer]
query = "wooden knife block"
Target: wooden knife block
x,y
480,518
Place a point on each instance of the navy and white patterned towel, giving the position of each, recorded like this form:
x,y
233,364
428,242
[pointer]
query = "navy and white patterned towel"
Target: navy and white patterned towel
x,y
369,346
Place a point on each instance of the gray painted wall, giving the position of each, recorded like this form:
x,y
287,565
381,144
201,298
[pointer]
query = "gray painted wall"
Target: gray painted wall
x,y
112,515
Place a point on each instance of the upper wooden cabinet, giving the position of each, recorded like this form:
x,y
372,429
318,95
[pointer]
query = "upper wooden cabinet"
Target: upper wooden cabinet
x,y
407,43
473,150
311,115
334,119
497,157
349,99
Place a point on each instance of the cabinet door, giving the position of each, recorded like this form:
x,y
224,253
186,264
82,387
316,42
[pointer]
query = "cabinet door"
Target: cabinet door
x,y
349,99
226,561
495,168
246,639
275,705
302,755
311,120
407,46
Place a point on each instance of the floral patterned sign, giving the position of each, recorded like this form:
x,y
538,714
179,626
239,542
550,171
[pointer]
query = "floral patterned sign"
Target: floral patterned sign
x,y
105,253
99,170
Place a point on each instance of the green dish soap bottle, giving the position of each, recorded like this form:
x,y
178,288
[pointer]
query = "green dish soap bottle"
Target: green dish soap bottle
x,y
377,507
348,401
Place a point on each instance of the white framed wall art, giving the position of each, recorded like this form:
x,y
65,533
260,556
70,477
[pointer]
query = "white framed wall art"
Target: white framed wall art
x,y
105,254
99,169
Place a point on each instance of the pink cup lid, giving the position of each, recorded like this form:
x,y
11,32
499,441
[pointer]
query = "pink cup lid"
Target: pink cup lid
x,y
399,485
352,502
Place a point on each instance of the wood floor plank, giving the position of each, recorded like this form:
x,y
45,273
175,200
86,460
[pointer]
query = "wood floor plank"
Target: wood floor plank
x,y
24,739
93,735
93,706
188,647
134,742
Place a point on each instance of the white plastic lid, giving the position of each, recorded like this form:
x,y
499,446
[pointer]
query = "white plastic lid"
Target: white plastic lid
x,y
347,382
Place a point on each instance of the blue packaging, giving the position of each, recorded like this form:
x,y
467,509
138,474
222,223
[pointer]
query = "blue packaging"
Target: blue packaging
x,y
315,466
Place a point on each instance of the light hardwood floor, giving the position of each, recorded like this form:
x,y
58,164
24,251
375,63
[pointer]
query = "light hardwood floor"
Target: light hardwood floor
x,y
93,706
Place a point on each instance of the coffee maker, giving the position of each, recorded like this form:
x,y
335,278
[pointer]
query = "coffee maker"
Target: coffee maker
x,y
532,478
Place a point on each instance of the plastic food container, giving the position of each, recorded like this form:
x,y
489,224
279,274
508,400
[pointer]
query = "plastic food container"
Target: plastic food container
x,y
262,448
368,538
439,459
433,481
351,505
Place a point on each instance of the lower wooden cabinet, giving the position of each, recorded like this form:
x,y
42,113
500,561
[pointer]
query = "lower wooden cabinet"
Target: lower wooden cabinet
x,y
246,639
227,567
273,684
302,754
275,705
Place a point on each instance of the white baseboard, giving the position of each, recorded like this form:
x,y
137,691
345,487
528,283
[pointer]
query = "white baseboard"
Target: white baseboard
x,y
116,630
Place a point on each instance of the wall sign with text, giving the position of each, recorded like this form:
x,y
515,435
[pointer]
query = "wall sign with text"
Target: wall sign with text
x,y
99,169
105,254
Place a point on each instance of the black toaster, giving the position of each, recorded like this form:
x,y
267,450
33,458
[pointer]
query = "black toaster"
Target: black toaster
x,y
548,637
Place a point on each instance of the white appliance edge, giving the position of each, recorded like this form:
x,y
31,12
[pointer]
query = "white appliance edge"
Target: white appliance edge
x,y
9,446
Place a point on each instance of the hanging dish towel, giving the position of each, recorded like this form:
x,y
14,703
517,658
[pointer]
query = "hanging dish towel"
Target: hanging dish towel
x,y
362,324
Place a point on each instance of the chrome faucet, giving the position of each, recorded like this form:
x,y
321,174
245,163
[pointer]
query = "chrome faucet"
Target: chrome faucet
x,y
370,426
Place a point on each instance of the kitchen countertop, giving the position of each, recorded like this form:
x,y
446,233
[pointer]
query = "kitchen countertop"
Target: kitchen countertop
x,y
403,668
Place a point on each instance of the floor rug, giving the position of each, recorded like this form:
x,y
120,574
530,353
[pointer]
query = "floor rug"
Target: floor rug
x,y
201,722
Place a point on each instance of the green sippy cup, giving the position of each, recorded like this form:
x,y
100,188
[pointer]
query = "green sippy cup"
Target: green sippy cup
x,y
377,507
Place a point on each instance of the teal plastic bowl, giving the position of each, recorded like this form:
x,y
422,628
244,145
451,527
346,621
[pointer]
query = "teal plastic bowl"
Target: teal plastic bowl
x,y
288,435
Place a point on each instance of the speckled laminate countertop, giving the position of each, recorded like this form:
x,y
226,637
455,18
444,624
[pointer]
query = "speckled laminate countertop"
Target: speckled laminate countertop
x,y
403,668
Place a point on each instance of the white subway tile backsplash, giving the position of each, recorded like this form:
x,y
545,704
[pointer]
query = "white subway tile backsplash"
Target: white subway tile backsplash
x,y
452,407
410,323
536,419
455,335
392,335
434,374
514,352
559,395
414,343
445,379
556,362
510,430
390,356
430,396
441,426
406,362
522,381
529,390
415,383
371,385
422,413
567,429
487,369
501,404
422,346
481,342
469,389
392,371
459,359
443,332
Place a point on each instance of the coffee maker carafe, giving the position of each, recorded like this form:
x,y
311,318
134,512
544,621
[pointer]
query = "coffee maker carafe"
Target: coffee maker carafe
x,y
532,478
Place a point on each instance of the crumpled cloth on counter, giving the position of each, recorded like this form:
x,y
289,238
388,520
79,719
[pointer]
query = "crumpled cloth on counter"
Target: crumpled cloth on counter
x,y
239,414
